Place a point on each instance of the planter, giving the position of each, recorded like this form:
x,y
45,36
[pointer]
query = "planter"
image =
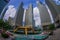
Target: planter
x,y
51,33
4,35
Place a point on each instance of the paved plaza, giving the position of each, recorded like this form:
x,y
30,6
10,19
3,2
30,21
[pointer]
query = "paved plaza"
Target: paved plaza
x,y
55,36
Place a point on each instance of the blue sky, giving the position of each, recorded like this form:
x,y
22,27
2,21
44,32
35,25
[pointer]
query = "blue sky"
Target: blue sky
x,y
26,2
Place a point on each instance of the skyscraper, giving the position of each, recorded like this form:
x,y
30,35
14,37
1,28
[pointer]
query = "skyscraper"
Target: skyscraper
x,y
19,15
2,5
54,8
18,19
29,15
44,15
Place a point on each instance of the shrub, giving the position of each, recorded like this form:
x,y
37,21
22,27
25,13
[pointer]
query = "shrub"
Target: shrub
x,y
4,25
4,35
51,27
1,23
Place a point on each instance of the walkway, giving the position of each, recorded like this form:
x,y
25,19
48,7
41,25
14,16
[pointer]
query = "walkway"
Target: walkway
x,y
56,35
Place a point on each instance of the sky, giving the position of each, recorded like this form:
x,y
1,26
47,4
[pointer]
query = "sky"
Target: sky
x,y
26,2
36,16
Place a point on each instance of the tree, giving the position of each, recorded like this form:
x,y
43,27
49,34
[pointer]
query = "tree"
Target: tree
x,y
4,25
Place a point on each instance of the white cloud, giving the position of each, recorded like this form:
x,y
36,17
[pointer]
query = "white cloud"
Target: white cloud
x,y
36,16
10,12
36,12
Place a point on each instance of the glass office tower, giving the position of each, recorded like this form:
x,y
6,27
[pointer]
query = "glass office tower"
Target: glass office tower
x,y
17,20
54,8
29,15
44,15
2,5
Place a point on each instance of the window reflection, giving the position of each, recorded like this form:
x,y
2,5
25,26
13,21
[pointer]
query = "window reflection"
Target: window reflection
x,y
57,2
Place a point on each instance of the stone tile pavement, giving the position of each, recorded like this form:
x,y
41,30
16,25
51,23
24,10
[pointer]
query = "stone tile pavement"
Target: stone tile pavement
x,y
55,36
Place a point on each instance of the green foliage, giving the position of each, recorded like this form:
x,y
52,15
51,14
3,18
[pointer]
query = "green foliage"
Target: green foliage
x,y
51,27
1,23
4,25
4,35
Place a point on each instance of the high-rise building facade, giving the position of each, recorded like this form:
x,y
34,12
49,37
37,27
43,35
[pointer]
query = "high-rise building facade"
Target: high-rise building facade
x,y
19,15
29,15
2,5
18,19
44,15
54,8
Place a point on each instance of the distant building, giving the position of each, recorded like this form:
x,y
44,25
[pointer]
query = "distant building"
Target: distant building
x,y
54,8
29,15
18,19
44,15
19,15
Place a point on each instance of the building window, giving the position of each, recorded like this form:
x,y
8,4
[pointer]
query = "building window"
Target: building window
x,y
57,2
